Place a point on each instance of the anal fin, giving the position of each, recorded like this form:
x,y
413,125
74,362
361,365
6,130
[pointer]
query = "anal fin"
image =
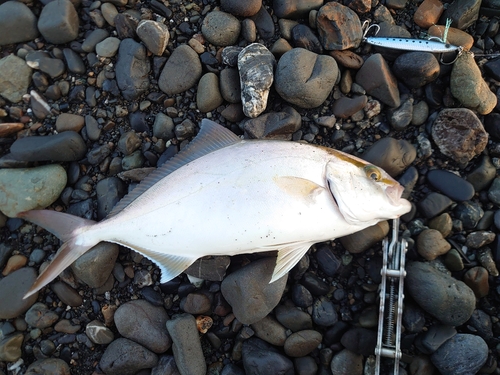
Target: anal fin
x,y
288,257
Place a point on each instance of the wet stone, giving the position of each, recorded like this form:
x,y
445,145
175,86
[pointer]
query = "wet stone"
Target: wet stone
x,y
125,25
304,37
392,155
259,358
255,66
314,284
434,204
451,185
196,303
443,223
447,299
330,21
13,288
125,357
413,318
324,313
66,146
462,354
10,347
469,213
129,142
304,78
42,61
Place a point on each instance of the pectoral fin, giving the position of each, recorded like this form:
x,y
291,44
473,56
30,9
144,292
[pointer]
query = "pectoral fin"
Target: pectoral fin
x,y
298,187
288,257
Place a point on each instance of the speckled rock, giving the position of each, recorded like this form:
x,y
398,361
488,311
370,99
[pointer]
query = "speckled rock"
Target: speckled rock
x,y
15,76
469,87
221,28
25,189
459,134
347,362
249,292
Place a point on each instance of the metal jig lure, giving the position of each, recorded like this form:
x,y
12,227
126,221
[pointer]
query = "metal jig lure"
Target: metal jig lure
x,y
432,45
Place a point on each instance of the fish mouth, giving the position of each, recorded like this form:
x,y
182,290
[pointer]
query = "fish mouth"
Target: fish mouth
x,y
394,193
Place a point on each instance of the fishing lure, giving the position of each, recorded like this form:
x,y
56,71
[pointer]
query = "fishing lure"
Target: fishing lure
x,y
432,45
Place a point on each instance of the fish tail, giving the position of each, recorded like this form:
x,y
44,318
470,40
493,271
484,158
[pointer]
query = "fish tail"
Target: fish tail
x,y
66,227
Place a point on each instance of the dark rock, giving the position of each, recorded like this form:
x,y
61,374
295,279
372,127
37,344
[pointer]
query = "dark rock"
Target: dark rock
x,y
274,125
328,262
17,23
347,362
39,316
314,284
259,358
239,8
269,330
476,278
462,13
345,107
295,8
132,69
416,69
126,25
212,268
304,37
437,335
95,266
264,23
360,340
59,22
300,344
293,318
301,296
74,61
13,287
463,354
444,297
324,313
364,239
392,155
451,185
469,213
109,192
400,117
53,366
434,204
230,85
91,40
125,357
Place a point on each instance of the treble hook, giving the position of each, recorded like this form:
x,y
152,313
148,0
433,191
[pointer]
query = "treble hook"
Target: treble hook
x,y
367,28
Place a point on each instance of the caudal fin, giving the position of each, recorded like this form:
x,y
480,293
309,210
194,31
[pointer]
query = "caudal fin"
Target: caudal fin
x,y
67,228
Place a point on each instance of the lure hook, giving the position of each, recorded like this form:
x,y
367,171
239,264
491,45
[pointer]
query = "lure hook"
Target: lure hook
x,y
366,27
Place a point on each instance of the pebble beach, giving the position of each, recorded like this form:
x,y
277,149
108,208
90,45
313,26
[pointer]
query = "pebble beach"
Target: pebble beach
x,y
95,95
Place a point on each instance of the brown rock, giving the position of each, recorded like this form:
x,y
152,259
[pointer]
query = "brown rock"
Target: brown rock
x,y
302,343
459,134
477,279
431,244
455,36
428,13
331,20
443,223
14,263
7,128
347,59
360,241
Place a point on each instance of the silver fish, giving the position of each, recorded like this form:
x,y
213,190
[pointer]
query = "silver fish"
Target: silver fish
x,y
226,196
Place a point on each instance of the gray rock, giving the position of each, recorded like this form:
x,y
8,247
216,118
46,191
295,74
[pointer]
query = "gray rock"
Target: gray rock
x,y
163,127
13,287
293,318
345,107
95,266
39,316
270,330
230,85
125,357
324,313
249,292
208,96
96,36
129,142
109,192
154,35
24,189
144,323
360,340
347,362
469,213
392,155
463,354
261,358
53,366
304,78
459,134
447,299
166,366
133,161
295,8
264,24
494,191
59,22
434,204
333,35
469,87
429,341
132,69
274,125
181,72
196,303
66,294
17,23
92,128
69,122
255,65
108,47
401,117
300,344
304,37
43,61
221,28
416,69
98,333
15,76
74,61
482,323
186,345
66,146
451,185
212,268
378,81
462,13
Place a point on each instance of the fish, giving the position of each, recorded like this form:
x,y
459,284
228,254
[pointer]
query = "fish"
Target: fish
x,y
223,195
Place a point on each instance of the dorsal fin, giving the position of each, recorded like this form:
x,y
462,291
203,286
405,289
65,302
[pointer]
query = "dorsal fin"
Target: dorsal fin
x,y
211,137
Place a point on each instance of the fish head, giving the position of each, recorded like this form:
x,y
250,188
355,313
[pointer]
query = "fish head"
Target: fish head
x,y
363,192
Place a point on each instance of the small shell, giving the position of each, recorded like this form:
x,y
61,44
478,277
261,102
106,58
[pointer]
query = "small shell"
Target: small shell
x,y
203,323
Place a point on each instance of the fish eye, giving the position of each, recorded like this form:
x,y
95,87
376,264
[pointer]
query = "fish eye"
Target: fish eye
x,y
372,172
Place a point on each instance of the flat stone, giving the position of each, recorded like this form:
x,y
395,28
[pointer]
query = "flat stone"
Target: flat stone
x,y
304,78
15,76
255,66
59,22
66,146
330,22
181,72
293,318
24,189
453,186
434,204
459,134
125,357
132,69
68,121
249,292
108,47
17,23
154,35
12,290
